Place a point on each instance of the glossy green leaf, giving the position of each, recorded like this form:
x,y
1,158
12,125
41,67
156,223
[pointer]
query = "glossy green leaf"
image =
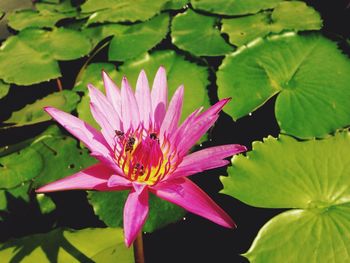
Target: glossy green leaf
x,y
305,236
46,205
63,6
19,167
34,52
313,95
205,32
65,100
109,207
291,15
122,10
4,89
61,157
92,74
179,71
69,246
32,18
234,7
175,4
311,176
136,39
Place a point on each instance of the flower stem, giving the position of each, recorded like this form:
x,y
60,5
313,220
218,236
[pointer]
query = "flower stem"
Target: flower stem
x,y
138,249
59,84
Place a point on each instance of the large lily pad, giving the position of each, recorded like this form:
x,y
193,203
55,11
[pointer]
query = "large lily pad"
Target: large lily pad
x,y
289,15
34,52
109,207
313,95
234,7
65,100
122,10
62,245
205,32
313,177
179,71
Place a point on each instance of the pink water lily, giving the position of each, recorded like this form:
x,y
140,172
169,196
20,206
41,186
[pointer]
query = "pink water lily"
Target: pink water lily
x,y
141,148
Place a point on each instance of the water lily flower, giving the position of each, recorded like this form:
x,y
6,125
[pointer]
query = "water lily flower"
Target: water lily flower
x,y
142,148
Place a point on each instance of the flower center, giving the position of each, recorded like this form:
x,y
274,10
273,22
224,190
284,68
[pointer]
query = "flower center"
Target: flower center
x,y
142,157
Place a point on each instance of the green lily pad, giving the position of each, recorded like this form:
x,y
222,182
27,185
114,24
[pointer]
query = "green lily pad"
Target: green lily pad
x,y
122,10
21,19
62,245
291,15
109,206
313,95
61,157
34,52
234,7
179,71
4,89
64,6
312,177
205,32
130,41
175,4
136,39
92,74
65,100
19,167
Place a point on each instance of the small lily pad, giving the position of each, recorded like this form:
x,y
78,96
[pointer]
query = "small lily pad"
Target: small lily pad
x,y
312,96
121,11
289,15
234,7
206,32
311,177
65,100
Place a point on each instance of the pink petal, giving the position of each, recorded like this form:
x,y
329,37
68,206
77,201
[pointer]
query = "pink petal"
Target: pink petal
x,y
112,93
206,159
198,126
159,96
92,178
117,180
143,98
98,99
135,212
92,138
173,113
107,130
186,194
130,110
